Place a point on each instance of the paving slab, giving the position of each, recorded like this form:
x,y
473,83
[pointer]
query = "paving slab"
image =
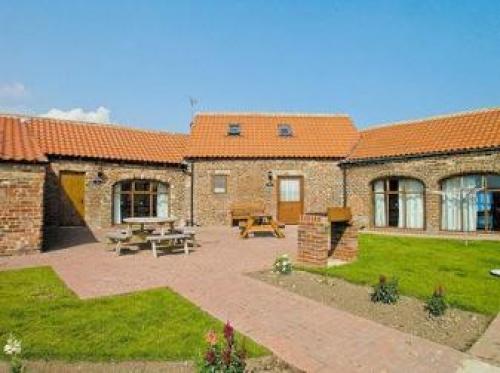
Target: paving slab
x,y
488,346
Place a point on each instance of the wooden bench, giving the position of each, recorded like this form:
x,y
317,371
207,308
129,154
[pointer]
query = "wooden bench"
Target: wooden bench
x,y
168,240
261,223
242,210
119,238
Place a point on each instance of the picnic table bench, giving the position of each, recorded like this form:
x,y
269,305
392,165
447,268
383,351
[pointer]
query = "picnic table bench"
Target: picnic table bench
x,y
159,237
119,238
262,223
242,210
168,241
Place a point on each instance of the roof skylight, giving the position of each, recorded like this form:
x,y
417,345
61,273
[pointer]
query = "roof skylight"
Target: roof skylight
x,y
285,130
234,129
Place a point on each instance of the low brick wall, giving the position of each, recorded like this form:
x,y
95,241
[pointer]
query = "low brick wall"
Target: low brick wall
x,y
314,239
319,239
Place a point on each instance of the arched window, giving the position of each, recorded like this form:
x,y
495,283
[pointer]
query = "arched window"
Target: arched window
x,y
137,198
398,202
471,203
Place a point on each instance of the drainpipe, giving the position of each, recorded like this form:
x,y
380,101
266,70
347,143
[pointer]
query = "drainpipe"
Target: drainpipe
x,y
344,186
192,195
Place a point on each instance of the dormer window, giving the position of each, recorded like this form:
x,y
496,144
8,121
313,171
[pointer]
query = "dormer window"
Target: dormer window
x,y
234,129
285,130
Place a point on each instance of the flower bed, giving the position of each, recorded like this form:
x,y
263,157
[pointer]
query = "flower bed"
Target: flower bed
x,y
457,328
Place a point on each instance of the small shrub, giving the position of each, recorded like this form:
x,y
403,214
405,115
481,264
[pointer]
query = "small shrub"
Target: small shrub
x,y
223,357
283,265
385,291
436,304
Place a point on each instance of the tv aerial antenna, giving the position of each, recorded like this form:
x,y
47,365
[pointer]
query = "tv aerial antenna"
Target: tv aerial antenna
x,y
193,102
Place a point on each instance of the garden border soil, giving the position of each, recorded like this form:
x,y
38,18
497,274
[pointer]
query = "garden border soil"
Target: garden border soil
x,y
457,328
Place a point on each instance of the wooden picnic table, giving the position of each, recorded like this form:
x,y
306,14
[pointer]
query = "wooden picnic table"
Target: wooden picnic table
x,y
161,236
261,223
156,220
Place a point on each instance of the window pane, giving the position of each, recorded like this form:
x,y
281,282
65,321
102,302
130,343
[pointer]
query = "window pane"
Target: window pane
x,y
126,186
117,217
413,186
126,206
154,212
142,205
495,211
414,210
493,182
142,186
460,203
484,209
162,201
379,186
380,220
471,182
469,202
143,198
220,183
401,206
451,206
290,190
394,213
393,185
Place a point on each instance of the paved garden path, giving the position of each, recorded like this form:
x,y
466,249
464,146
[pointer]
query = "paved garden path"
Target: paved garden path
x,y
309,335
488,346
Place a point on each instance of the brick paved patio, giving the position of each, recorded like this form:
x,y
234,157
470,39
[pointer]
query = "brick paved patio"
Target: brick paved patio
x,y
309,335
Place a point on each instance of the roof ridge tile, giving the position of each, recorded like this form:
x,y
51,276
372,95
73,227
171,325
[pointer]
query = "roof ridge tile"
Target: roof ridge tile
x,y
270,114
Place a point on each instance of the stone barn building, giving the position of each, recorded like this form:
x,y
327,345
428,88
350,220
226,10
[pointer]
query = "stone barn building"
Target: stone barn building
x,y
438,175
62,173
22,176
435,175
287,162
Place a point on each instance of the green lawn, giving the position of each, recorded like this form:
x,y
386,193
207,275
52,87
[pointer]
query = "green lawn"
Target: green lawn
x,y
54,324
422,263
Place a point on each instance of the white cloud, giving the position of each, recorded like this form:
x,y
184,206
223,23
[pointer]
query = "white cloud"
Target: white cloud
x,y
13,91
100,115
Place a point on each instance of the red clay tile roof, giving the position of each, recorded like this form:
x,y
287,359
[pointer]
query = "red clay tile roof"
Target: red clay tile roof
x,y
314,136
16,144
451,133
113,142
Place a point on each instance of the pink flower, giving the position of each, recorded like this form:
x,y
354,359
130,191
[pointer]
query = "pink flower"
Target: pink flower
x,y
211,338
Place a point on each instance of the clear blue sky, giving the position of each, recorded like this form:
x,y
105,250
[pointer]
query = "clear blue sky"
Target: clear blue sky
x,y
378,61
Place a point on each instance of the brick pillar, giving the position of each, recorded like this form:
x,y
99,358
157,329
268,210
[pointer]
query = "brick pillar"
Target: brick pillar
x,y
344,241
314,239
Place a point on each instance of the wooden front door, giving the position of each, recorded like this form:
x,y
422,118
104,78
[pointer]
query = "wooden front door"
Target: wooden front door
x,y
290,199
72,198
